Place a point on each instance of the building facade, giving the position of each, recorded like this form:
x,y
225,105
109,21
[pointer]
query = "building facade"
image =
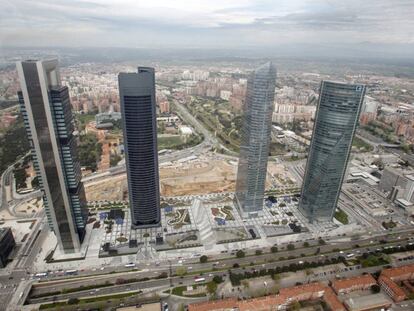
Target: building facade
x,y
7,243
255,140
48,119
137,96
336,119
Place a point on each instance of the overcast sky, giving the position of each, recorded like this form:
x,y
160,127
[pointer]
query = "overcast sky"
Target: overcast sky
x,y
209,23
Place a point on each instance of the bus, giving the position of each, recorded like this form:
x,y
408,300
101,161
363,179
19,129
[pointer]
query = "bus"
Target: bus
x,y
199,280
71,272
130,265
350,255
41,275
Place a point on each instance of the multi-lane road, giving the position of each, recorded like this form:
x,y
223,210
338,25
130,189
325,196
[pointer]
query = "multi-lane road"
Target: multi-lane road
x,y
314,252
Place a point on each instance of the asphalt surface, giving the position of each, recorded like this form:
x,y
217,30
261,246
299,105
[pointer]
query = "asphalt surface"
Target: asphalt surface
x,y
256,262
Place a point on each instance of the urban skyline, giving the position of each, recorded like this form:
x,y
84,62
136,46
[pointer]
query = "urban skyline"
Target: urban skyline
x,y
190,120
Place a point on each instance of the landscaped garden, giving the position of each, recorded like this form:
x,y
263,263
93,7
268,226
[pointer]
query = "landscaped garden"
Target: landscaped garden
x,y
179,218
222,213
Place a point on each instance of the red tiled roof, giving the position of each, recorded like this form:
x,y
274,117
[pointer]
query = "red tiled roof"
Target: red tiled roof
x,y
332,300
397,291
351,282
268,303
398,271
261,304
216,305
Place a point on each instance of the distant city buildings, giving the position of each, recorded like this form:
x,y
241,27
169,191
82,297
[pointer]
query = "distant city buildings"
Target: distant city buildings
x,y
7,243
48,119
287,113
164,106
336,119
255,140
137,96
369,110
107,117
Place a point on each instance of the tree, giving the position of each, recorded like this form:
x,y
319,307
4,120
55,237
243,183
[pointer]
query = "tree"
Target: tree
x,y
240,254
73,301
212,287
290,247
375,288
217,279
203,259
294,306
274,249
306,244
259,252
321,241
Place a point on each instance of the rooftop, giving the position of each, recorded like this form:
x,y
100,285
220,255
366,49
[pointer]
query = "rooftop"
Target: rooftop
x,y
354,281
396,290
398,271
217,305
261,304
369,302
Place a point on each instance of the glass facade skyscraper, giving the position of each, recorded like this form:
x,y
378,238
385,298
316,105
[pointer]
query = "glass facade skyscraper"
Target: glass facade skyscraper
x,y
336,119
48,119
137,96
255,140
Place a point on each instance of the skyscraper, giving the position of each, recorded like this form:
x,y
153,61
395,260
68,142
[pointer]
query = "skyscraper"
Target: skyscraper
x,y
48,119
255,140
334,128
137,95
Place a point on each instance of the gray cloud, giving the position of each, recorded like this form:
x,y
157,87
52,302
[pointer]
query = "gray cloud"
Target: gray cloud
x,y
205,24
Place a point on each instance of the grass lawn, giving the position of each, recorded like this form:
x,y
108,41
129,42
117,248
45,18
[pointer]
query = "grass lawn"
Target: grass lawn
x,y
341,216
360,144
374,260
178,291
169,142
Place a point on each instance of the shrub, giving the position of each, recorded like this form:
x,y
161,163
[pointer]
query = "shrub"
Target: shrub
x,y
290,247
240,254
217,279
73,301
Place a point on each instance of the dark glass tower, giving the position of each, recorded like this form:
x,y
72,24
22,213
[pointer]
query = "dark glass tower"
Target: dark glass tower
x,y
137,95
48,119
255,140
336,119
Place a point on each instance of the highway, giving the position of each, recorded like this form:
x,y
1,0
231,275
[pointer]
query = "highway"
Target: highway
x,y
258,263
267,260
